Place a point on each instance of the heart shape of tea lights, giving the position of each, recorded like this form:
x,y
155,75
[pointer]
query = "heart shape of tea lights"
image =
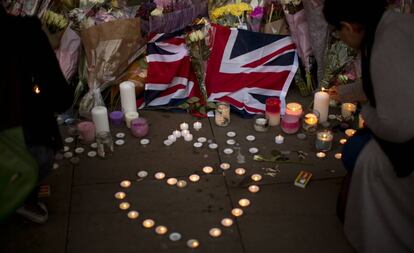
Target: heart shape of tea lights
x,y
214,232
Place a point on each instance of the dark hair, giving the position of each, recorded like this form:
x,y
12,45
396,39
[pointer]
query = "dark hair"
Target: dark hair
x,y
366,13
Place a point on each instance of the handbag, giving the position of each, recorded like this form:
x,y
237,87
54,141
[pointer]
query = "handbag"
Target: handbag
x,y
18,171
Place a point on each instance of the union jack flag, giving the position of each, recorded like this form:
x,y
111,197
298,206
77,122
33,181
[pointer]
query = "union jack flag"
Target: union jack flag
x,y
245,68
170,79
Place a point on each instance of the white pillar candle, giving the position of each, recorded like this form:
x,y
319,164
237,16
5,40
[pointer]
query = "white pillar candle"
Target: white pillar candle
x,y
128,99
347,109
321,104
129,116
100,119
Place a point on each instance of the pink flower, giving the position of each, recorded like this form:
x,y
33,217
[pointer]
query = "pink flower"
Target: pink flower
x,y
257,13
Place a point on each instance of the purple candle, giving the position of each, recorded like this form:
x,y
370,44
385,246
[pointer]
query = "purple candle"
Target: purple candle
x,y
86,131
116,118
139,127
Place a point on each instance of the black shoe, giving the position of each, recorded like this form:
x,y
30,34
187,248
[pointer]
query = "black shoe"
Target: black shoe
x,y
36,213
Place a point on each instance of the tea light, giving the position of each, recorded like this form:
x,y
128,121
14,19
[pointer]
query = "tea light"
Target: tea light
x,y
338,156
230,142
168,143
188,137
321,154
175,236
324,140
125,184
225,166
226,222
197,125
212,146
69,140
244,202
142,174
172,138
161,230
185,132
256,177
177,133
181,183
92,153
237,212
253,150
148,223
184,126
202,139
124,206
350,132
193,243
250,138
93,145
68,154
231,134
279,139
215,232
261,124
194,178
129,117
254,188
159,175
207,169
172,181
240,171
144,142
294,109
133,215
228,151
119,142
347,109
120,195
310,122
342,141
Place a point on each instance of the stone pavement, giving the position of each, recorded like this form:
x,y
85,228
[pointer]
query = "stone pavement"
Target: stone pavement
x,y
85,217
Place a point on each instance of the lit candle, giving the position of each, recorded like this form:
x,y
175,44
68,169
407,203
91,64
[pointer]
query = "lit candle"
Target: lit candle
x,y
310,122
184,126
338,155
215,232
225,166
207,169
185,132
120,195
159,175
321,104
133,215
177,134
128,99
254,188
172,181
324,140
350,132
240,171
347,109
197,125
342,141
294,109
244,202
222,114
124,206
361,121
188,137
227,222
193,243
148,223
279,139
181,183
321,154
237,212
125,184
129,117
161,230
194,177
100,119
172,138
256,177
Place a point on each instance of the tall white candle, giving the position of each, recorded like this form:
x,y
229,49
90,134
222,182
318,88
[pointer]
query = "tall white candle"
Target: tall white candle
x,y
128,100
321,104
100,119
129,116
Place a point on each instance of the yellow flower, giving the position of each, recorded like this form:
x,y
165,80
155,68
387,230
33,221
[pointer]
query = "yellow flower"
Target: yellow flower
x,y
157,12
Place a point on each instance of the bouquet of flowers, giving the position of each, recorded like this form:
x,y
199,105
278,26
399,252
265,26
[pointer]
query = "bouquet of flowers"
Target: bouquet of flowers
x,y
274,19
231,15
256,18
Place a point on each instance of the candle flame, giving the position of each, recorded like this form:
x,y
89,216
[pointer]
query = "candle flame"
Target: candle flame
x,y
36,89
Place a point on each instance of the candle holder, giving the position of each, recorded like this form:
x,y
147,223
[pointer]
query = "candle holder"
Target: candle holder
x,y
86,131
104,140
324,140
348,110
129,117
294,109
116,118
222,114
139,127
261,123
272,111
290,123
310,121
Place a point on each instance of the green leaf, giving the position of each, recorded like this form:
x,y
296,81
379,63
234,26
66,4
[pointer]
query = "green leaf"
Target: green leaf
x,y
193,100
211,105
184,106
202,110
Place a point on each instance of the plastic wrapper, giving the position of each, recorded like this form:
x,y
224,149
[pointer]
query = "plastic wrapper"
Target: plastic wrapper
x,y
68,52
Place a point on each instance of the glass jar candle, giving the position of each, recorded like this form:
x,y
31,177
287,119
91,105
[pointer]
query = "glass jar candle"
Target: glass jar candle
x,y
273,111
261,124
294,109
310,121
347,110
324,140
290,123
86,130
222,114
139,127
116,118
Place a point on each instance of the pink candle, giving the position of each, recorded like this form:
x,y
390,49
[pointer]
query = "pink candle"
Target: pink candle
x,y
290,124
139,127
86,131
